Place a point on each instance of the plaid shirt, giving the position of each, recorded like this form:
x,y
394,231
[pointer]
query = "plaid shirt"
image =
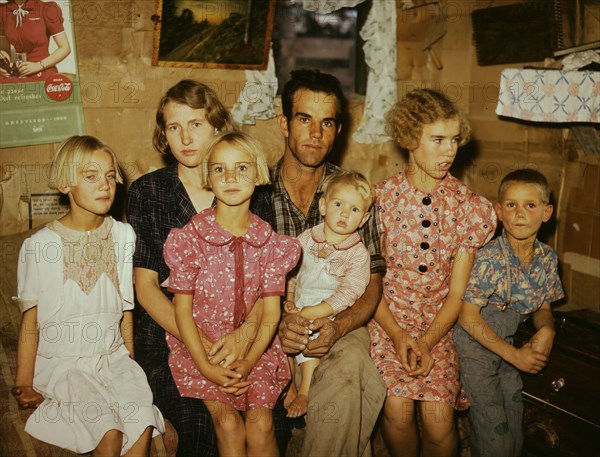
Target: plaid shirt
x,y
273,204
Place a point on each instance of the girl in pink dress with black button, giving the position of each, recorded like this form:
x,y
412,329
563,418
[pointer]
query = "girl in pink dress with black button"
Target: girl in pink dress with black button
x,y
224,262
431,226
28,26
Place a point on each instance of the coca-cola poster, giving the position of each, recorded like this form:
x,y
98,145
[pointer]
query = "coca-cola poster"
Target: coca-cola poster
x,y
40,100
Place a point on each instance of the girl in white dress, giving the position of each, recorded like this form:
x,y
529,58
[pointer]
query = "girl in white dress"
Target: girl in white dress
x,y
75,355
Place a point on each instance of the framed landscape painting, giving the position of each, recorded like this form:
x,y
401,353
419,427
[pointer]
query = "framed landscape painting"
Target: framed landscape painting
x,y
226,34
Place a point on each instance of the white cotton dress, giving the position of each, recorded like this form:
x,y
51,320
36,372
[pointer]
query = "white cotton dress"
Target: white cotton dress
x,y
81,282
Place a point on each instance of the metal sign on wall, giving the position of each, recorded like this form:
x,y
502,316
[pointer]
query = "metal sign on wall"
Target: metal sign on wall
x,y
40,100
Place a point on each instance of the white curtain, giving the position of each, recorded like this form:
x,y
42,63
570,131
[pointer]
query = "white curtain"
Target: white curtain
x,y
379,33
257,99
329,6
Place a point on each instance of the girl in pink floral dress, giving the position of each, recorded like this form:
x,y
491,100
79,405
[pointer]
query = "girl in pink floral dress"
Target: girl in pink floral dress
x,y
431,225
223,262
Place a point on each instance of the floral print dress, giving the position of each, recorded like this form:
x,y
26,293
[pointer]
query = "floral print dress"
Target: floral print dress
x,y
227,275
422,234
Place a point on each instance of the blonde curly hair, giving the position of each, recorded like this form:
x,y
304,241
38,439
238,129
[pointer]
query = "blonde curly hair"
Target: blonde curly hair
x,y
420,107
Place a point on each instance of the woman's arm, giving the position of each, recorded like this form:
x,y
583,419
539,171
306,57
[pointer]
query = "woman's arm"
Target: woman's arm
x,y
384,317
127,331
448,313
62,50
410,353
154,301
26,353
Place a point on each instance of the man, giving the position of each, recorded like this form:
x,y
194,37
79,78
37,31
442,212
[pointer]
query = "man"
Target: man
x,y
347,392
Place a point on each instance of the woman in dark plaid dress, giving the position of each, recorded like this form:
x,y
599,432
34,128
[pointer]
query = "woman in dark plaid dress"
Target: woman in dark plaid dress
x,y
188,116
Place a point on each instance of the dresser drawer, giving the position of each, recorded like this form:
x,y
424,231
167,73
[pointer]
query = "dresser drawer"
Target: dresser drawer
x,y
568,383
562,403
550,432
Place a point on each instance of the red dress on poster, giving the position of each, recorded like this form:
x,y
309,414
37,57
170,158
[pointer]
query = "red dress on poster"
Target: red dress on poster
x,y
28,28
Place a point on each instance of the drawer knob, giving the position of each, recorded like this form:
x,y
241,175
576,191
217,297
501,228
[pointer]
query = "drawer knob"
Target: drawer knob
x,y
558,384
542,433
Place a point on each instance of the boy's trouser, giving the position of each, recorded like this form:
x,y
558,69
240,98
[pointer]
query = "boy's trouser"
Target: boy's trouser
x,y
493,388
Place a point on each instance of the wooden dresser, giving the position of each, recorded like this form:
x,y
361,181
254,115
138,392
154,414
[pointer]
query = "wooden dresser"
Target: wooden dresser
x,y
562,403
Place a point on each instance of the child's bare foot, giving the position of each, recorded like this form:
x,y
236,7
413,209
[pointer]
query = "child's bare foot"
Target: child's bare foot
x,y
298,406
290,396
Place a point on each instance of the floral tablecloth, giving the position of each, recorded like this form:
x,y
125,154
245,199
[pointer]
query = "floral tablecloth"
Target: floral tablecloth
x,y
550,95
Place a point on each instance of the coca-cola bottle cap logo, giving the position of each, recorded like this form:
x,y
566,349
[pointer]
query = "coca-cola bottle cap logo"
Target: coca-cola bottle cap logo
x,y
58,87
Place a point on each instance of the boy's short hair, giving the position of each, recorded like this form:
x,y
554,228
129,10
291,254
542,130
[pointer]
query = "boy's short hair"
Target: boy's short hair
x,y
353,178
243,142
528,176
405,120
196,95
74,153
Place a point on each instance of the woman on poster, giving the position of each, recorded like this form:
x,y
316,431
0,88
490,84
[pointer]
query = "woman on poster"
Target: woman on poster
x,y
26,27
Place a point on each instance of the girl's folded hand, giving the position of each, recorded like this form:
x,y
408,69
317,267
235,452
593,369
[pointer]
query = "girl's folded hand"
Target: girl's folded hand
x,y
237,389
239,386
219,375
243,367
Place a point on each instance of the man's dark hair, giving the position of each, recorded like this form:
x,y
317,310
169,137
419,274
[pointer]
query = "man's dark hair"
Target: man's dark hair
x,y
314,81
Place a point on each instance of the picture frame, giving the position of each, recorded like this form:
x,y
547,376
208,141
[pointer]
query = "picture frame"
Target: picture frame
x,y
213,34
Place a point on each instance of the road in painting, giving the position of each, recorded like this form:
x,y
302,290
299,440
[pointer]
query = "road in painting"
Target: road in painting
x,y
229,32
